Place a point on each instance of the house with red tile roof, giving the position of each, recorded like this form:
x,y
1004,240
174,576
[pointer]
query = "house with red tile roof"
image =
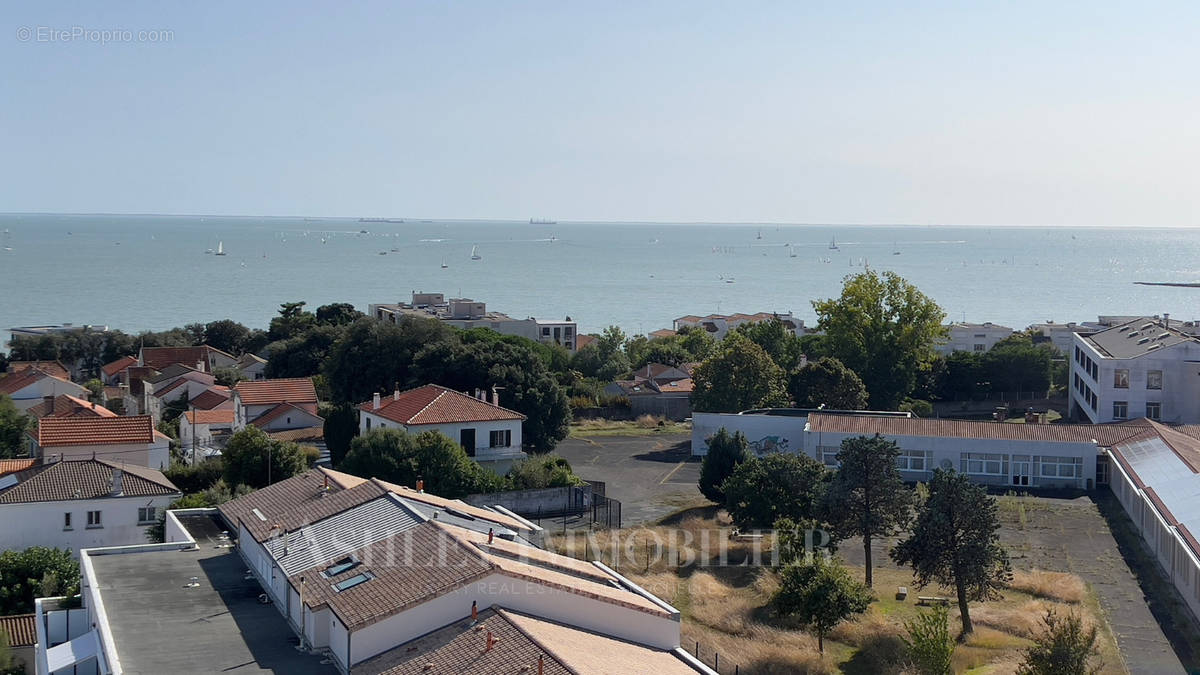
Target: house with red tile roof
x,y
287,417
132,440
488,432
201,357
68,406
113,373
254,398
31,386
215,397
204,429
55,368
82,504
21,630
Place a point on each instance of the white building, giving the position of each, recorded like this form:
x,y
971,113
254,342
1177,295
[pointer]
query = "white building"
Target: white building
x,y
253,399
252,367
82,504
972,337
30,387
466,313
1136,369
719,325
131,440
1061,335
198,428
489,433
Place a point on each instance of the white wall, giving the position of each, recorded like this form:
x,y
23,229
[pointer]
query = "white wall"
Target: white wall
x,y
155,455
482,434
765,433
47,386
41,523
1179,396
293,419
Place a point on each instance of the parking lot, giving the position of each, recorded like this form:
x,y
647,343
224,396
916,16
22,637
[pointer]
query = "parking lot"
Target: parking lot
x,y
652,476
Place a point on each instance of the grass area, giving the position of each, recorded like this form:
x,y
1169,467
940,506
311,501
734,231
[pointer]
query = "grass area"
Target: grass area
x,y
727,609
646,425
1051,417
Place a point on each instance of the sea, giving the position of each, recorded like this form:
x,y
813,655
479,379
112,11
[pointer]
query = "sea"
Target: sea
x,y
152,272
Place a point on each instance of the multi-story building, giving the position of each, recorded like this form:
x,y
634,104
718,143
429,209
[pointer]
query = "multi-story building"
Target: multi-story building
x,y
972,337
466,313
719,325
130,440
1140,368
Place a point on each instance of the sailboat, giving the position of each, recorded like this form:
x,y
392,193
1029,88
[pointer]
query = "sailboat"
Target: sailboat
x,y
444,265
7,240
475,253
759,233
833,244
895,249
220,248
791,251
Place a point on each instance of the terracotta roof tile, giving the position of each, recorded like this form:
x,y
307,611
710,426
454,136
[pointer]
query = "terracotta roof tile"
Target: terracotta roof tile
x,y
161,357
84,479
55,368
1105,434
263,392
683,386
111,369
295,502
59,431
14,382
435,404
586,652
8,466
20,628
209,399
209,416
66,405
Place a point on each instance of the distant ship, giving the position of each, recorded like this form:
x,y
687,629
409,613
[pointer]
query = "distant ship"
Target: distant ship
x,y
220,248
381,220
833,244
475,253
542,221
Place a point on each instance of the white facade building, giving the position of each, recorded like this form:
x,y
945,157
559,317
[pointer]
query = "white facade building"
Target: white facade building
x,y
465,313
28,388
131,440
972,337
82,504
1136,369
719,325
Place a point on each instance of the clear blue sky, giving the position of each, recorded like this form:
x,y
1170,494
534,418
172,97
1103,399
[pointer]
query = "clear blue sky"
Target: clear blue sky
x,y
1080,113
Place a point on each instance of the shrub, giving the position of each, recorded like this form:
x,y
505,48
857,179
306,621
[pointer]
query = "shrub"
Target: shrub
x,y
542,472
578,402
1065,648
197,477
930,645
312,455
725,452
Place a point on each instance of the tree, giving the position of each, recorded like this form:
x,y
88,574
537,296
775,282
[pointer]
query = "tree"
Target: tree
x,y
373,356
227,335
227,377
13,424
820,594
292,321
739,376
338,314
930,647
544,471
28,574
882,328
398,457
253,458
955,541
697,341
780,343
341,426
764,489
1064,648
827,383
867,498
303,355
96,388
667,351
8,661
725,453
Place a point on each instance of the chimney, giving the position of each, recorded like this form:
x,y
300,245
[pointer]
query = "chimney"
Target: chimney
x,y
495,396
420,485
1166,320
200,366
117,479
396,394
375,401
491,535
541,664
474,611
491,641
48,404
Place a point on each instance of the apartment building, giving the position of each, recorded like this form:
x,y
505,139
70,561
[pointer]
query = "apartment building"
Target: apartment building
x,y
465,313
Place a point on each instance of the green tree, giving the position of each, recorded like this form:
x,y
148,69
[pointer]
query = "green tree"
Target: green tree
x,y
739,376
594,361
543,471
302,355
764,489
930,646
867,498
955,542
13,425
253,458
373,356
776,340
1063,648
884,329
26,574
725,453
827,383
398,457
96,388
292,321
697,341
227,335
227,377
820,594
341,426
667,351
338,314
8,661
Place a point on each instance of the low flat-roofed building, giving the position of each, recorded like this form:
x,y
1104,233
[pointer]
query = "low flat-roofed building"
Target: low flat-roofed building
x,y
465,313
962,336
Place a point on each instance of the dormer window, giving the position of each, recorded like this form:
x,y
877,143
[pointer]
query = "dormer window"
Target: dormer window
x,y
339,566
347,584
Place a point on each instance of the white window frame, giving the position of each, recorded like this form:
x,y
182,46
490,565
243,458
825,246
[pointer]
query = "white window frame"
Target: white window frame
x,y
505,436
1157,408
1151,374
1074,463
1120,378
147,515
95,519
1120,410
984,463
914,460
67,521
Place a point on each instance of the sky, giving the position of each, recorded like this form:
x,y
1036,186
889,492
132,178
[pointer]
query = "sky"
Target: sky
x,y
980,113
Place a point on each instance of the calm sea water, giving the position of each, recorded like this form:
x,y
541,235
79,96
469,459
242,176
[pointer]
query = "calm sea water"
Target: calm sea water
x,y
152,272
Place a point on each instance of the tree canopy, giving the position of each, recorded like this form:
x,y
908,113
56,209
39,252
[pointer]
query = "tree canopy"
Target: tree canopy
x,y
399,457
884,329
955,542
34,573
740,375
253,458
725,452
820,594
779,485
1064,647
827,383
776,340
867,497
13,424
341,426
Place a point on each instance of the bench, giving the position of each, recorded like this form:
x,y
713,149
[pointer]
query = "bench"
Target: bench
x,y
924,600
901,592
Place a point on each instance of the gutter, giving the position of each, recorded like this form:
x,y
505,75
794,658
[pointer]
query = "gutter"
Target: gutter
x,y
630,586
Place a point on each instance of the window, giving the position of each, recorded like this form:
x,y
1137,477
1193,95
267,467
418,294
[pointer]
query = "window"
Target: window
x,y
67,521
981,335
985,464
568,331
828,454
344,565
914,460
347,584
1154,410
545,331
1120,409
94,519
1121,378
978,347
501,438
1061,467
1154,379
147,514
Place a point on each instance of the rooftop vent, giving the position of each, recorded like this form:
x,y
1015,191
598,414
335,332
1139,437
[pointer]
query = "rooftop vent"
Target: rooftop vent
x,y
1143,341
1122,329
1163,336
1156,345
1133,334
1146,325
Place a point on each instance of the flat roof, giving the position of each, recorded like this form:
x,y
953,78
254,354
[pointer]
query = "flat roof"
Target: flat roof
x,y
159,625
1135,338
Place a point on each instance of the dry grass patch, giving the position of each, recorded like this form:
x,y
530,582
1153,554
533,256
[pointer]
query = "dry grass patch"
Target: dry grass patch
x,y
1059,586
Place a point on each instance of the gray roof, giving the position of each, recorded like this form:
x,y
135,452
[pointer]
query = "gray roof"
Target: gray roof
x,y
1136,338
341,533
